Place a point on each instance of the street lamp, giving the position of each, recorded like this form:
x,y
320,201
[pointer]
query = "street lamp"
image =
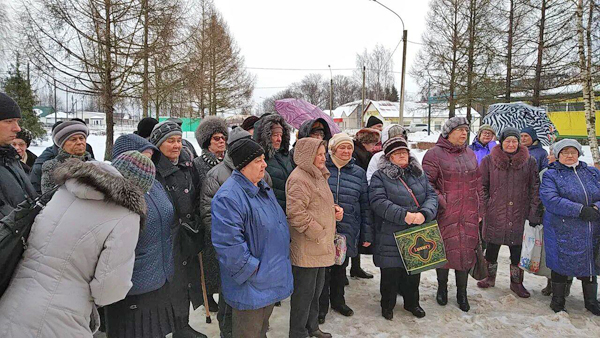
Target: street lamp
x,y
404,39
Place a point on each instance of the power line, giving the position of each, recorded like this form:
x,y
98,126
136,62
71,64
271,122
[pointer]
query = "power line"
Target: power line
x,y
298,69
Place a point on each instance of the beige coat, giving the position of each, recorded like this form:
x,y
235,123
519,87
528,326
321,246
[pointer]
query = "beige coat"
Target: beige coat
x,y
310,209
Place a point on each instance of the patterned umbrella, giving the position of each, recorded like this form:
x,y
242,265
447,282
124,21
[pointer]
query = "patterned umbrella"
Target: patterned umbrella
x,y
520,115
296,111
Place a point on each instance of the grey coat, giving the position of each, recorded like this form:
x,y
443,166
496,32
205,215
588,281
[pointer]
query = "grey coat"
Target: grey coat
x,y
14,183
81,252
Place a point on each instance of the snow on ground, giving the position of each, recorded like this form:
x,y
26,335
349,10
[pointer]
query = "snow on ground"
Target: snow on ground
x,y
495,312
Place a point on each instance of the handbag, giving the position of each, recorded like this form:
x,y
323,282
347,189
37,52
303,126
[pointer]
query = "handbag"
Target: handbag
x,y
479,271
340,248
14,233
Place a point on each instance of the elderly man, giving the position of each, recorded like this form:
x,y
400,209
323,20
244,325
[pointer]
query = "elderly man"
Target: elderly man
x,y
14,183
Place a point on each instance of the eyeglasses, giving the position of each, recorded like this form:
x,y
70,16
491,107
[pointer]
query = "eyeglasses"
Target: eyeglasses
x,y
219,138
570,153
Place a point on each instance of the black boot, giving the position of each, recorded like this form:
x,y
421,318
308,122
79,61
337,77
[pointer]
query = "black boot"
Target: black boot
x,y
343,309
188,332
357,271
590,296
387,314
558,296
462,277
442,291
547,291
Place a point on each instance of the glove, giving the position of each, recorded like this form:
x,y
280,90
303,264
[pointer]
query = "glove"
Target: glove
x,y
589,214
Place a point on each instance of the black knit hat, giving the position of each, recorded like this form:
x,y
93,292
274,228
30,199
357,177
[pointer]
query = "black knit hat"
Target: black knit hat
x,y
373,121
243,152
25,135
510,131
249,122
9,109
145,126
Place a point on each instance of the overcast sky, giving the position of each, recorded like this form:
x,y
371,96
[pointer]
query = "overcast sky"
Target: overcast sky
x,y
317,33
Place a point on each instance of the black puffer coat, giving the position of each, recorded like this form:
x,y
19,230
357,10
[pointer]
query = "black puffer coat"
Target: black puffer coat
x,y
362,155
390,201
14,183
350,191
181,183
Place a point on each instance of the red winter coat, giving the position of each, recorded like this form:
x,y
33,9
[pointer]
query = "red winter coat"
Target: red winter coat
x,y
510,193
452,171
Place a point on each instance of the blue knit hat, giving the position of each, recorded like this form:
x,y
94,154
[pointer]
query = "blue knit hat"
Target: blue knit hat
x,y
132,142
531,132
137,168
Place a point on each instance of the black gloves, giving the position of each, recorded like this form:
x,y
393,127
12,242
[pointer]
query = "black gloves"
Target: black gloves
x,y
589,214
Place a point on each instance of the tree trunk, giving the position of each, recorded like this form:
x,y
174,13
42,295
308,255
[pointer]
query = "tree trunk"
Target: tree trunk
x,y
509,47
471,55
108,99
537,84
145,75
452,89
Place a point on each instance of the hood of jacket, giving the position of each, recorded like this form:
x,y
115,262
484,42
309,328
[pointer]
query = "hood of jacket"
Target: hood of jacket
x,y
262,134
304,156
394,172
503,161
443,143
100,181
476,145
306,127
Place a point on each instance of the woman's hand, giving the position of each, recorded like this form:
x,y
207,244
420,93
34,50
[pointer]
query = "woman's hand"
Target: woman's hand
x,y
419,218
339,212
367,244
410,218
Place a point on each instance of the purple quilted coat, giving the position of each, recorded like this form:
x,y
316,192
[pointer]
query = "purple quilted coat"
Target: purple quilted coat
x,y
452,172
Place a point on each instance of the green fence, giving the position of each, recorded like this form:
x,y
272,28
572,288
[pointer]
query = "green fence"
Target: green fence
x,y
189,124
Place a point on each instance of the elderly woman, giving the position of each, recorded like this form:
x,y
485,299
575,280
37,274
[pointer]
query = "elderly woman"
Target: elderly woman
x,y
570,191
312,215
484,142
348,184
21,143
80,251
401,197
452,171
511,196
252,240
70,137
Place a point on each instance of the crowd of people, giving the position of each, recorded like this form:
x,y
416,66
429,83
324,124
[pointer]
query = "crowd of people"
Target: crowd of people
x,y
122,246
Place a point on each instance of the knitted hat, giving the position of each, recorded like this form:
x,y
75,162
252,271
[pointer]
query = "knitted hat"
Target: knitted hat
x,y
248,123
236,135
163,131
9,109
208,127
25,135
132,142
562,144
367,136
485,127
145,126
510,131
243,152
393,130
531,132
373,121
338,139
137,168
393,144
453,123
63,131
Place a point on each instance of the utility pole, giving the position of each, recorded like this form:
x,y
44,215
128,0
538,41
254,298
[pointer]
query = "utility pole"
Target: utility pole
x,y
404,40
330,92
428,107
67,103
362,110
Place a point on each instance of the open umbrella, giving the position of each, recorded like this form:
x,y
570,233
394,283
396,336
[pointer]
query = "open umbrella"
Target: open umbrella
x,y
296,111
520,115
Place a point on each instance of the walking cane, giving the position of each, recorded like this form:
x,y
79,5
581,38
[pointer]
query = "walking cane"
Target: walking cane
x,y
208,320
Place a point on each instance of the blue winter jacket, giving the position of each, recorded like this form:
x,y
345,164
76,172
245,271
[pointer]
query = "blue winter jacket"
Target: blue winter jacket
x,y
251,236
154,251
351,192
540,154
390,201
570,242
481,150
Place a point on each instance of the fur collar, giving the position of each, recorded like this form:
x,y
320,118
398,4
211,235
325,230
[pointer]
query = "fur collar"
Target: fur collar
x,y
262,134
116,189
502,161
395,172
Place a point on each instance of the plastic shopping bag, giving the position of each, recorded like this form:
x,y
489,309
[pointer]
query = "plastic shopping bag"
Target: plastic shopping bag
x,y
531,252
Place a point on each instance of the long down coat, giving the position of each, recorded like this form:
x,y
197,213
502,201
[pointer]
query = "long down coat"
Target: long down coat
x,y
511,195
80,252
452,172
571,243
390,201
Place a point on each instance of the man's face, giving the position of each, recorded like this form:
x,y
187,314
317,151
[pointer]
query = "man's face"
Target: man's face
x,y
75,145
378,126
526,140
276,138
8,131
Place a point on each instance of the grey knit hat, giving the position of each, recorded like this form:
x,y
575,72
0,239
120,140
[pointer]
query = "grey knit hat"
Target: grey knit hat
x,y
9,109
63,131
236,135
208,127
163,131
510,131
562,144
453,123
485,127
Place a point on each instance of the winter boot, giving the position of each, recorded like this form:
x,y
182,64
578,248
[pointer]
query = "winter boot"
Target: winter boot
x,y
547,291
320,334
490,280
590,296
516,282
343,309
188,332
411,303
356,271
462,277
442,291
387,314
558,296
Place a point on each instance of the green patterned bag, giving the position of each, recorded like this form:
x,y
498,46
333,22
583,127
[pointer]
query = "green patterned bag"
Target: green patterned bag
x,y
421,248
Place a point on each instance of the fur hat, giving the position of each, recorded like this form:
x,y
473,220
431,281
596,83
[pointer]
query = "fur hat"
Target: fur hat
x,y
367,136
249,122
453,123
243,152
373,121
137,168
9,109
163,131
208,127
63,131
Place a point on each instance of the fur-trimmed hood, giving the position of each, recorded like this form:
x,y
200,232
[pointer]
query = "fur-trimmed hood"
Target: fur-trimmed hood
x,y
503,161
262,134
306,127
395,172
101,181
208,127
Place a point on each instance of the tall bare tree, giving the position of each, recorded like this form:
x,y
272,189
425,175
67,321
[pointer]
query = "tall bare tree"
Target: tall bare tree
x,y
379,71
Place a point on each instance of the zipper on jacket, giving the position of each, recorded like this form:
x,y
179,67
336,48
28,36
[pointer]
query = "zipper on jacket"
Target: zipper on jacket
x,y
337,190
587,202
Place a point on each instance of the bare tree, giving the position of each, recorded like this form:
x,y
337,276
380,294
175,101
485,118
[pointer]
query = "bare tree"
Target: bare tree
x,y
379,71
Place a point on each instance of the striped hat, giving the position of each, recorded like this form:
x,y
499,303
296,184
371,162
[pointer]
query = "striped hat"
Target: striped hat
x,y
163,131
63,131
137,168
393,144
